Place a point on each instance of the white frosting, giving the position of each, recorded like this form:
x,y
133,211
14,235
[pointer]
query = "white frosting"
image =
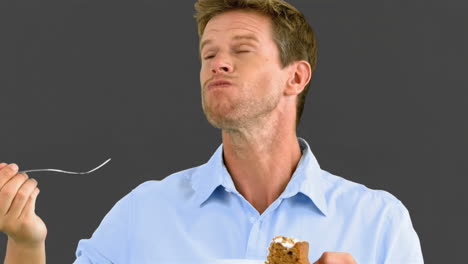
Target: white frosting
x,y
286,243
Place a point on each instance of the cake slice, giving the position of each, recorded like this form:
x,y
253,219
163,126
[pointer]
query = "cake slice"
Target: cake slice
x,y
286,250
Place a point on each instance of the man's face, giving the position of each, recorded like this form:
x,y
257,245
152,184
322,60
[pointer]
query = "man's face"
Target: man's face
x,y
241,75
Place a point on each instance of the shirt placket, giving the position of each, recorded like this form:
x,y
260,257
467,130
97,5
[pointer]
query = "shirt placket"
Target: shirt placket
x,y
258,237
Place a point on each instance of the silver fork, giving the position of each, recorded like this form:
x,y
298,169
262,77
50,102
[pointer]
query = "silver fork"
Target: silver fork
x,y
69,172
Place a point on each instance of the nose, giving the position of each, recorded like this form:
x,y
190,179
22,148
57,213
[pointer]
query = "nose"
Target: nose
x,y
221,64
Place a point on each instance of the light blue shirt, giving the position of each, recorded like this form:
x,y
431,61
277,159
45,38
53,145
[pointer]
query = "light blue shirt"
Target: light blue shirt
x,y
197,214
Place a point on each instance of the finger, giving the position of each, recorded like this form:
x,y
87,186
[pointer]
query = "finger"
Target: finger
x,y
30,207
335,257
326,258
21,198
7,173
2,165
9,190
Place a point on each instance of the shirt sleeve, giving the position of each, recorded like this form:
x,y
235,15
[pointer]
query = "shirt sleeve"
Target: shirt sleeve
x,y
110,241
400,241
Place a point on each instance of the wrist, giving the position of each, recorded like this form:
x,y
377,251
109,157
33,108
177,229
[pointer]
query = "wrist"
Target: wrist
x,y
23,244
18,252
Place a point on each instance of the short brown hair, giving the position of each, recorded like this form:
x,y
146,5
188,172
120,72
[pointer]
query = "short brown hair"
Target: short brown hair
x,y
292,34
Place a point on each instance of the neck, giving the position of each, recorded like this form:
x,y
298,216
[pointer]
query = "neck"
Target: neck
x,y
261,161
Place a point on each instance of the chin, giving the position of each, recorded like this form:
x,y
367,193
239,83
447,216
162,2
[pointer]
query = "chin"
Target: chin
x,y
225,116
222,122
218,122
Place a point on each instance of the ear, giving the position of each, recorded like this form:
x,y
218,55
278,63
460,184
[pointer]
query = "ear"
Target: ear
x,y
300,74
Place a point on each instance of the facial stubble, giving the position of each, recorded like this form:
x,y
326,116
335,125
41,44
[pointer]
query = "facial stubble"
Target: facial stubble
x,y
238,113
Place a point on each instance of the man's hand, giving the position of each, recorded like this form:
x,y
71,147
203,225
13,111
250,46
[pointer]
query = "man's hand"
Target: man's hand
x,y
18,220
336,258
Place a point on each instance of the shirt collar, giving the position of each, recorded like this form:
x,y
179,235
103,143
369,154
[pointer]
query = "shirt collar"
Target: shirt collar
x,y
209,176
306,179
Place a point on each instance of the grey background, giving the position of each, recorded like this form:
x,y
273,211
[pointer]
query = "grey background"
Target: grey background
x,y
82,81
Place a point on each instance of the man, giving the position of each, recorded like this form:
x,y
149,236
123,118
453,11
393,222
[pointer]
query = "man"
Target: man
x,y
257,59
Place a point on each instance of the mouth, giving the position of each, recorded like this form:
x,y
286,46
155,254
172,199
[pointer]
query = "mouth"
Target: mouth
x,y
218,84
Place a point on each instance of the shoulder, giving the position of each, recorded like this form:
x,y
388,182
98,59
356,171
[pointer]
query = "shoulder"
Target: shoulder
x,y
172,186
345,194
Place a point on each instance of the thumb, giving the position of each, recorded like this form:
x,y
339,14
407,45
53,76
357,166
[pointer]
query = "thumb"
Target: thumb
x,y
30,205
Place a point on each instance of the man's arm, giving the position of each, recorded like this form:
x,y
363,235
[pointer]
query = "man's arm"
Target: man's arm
x,y
17,253
400,242
111,241
25,230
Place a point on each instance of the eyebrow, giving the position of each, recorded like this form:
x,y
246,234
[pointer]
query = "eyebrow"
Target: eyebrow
x,y
237,37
